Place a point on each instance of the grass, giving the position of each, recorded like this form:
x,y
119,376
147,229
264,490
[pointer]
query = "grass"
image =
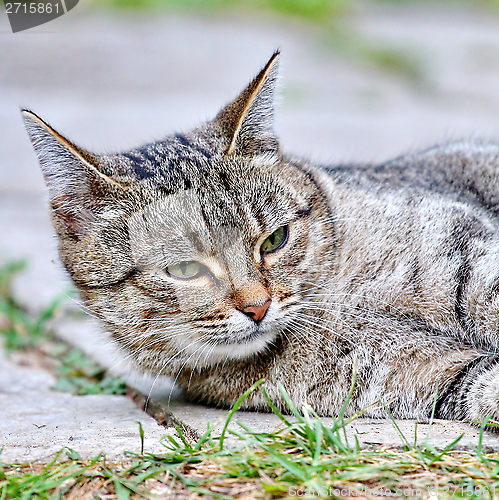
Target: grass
x,y
301,458
314,10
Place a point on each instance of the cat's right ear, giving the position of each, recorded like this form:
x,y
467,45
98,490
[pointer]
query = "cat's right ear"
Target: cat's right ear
x,y
75,180
247,123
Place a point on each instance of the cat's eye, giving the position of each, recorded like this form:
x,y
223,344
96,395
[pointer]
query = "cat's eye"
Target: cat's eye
x,y
275,241
185,269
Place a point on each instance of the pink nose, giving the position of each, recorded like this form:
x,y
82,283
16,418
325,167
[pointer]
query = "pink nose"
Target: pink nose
x,y
256,313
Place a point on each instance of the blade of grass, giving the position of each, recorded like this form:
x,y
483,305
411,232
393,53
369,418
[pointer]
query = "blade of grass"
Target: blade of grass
x,y
236,407
181,435
480,437
350,392
432,417
318,442
406,444
121,492
287,464
276,410
290,403
205,437
141,434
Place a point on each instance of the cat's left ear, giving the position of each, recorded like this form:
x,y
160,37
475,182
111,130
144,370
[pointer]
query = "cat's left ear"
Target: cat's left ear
x,y
247,123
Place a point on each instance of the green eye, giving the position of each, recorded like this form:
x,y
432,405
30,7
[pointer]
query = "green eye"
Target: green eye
x,y
185,269
275,241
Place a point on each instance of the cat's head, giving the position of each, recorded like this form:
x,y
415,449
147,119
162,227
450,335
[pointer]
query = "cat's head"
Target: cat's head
x,y
195,249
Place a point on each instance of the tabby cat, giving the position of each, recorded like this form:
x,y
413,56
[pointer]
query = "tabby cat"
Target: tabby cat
x,y
213,257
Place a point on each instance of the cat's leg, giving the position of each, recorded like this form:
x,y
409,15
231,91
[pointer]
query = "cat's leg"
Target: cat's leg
x,y
477,294
408,376
465,383
401,369
474,393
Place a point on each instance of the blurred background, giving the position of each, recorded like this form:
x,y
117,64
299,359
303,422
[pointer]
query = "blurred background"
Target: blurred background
x,y
361,81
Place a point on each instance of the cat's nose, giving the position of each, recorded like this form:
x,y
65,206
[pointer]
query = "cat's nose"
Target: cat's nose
x,y
253,299
257,313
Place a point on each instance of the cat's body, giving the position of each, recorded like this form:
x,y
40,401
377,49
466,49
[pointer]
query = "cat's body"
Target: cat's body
x,y
213,258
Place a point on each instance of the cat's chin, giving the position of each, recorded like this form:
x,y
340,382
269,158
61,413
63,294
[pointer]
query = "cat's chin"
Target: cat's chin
x,y
242,348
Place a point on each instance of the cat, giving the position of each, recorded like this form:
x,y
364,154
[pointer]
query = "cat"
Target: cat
x,y
212,257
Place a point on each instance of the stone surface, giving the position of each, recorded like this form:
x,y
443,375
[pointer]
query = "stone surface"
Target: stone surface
x,y
36,423
114,81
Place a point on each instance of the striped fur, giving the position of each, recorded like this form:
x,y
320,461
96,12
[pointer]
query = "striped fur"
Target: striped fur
x,y
389,270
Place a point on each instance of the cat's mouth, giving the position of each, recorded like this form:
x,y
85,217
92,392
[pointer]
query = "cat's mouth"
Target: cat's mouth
x,y
238,339
243,338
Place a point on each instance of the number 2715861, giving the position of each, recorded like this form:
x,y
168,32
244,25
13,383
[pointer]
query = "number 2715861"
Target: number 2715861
x,y
32,8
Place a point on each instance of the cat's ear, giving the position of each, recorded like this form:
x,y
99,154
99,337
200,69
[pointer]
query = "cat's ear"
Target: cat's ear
x,y
247,123
76,181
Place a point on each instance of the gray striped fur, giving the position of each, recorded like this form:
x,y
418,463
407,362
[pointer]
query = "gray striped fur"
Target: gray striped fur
x,y
390,270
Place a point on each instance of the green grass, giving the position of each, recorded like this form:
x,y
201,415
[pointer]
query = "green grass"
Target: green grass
x,y
18,328
301,458
302,455
315,10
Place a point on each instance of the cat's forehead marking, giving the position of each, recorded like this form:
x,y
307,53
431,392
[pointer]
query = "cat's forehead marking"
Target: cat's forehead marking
x,y
184,141
167,160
